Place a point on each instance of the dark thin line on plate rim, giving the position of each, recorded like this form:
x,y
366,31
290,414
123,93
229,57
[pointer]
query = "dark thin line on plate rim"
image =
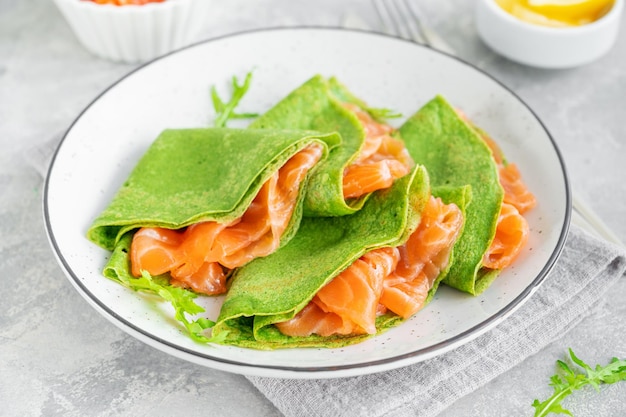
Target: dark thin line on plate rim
x,y
451,343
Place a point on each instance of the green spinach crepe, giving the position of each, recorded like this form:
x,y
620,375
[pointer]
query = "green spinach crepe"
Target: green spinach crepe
x,y
318,105
275,288
455,155
195,175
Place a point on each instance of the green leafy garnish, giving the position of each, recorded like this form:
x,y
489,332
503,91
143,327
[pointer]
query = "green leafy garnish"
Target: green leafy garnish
x,y
382,114
567,380
226,111
181,299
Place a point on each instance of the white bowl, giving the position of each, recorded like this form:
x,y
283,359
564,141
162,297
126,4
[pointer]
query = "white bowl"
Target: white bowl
x,y
546,47
134,33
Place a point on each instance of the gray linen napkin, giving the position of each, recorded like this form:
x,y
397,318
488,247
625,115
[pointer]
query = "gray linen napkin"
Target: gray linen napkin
x,y
585,271
40,155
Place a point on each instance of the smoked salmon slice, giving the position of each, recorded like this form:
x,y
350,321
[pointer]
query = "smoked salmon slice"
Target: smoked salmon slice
x,y
512,228
157,248
423,257
511,236
396,279
381,160
515,191
199,256
349,303
313,320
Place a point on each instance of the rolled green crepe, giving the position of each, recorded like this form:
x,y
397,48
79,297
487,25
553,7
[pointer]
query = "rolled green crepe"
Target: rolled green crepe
x,y
318,105
455,155
275,288
192,175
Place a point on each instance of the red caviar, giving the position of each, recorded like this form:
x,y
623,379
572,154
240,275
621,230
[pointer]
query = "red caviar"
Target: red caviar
x,y
125,2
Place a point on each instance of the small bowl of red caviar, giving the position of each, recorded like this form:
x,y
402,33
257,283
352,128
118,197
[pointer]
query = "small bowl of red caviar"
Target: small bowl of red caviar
x,y
549,33
134,31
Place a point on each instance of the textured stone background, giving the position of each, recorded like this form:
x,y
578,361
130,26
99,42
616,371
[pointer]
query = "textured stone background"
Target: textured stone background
x,y
58,356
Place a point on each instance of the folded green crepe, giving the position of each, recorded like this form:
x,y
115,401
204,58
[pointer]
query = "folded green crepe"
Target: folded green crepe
x,y
275,288
192,175
318,105
455,155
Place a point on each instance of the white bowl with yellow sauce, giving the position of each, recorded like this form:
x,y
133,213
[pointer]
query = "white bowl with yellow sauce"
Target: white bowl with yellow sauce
x,y
549,33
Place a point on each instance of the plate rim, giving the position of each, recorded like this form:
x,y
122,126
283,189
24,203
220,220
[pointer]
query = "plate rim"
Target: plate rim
x,y
370,366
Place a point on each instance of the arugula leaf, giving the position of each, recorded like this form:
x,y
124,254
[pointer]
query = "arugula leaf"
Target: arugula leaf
x,y
567,380
180,298
382,114
182,301
226,111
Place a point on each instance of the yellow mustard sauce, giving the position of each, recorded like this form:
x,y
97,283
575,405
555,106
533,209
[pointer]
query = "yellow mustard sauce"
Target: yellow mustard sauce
x,y
557,13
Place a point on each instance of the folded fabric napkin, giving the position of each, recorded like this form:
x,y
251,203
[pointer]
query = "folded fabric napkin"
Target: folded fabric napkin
x,y
583,274
40,155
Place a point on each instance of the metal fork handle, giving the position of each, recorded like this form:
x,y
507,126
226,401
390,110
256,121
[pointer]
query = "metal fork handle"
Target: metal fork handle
x,y
582,213
393,14
436,42
406,22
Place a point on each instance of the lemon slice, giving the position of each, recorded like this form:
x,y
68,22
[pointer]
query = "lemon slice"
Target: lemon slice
x,y
557,13
530,16
559,3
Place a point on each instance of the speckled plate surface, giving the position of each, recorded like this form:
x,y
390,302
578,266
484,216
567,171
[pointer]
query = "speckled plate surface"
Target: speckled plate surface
x,y
109,136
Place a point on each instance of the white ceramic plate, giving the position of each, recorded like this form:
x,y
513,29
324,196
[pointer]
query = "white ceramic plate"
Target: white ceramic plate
x,y
107,139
